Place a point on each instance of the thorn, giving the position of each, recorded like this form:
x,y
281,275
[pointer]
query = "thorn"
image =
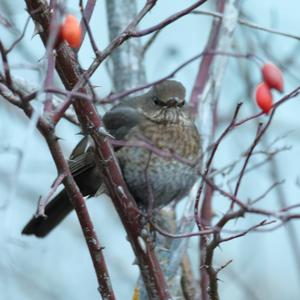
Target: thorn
x,y
105,133
80,133
121,191
142,244
96,86
57,138
37,29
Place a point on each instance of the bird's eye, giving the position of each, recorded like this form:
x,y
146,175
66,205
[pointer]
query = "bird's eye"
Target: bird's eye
x,y
157,101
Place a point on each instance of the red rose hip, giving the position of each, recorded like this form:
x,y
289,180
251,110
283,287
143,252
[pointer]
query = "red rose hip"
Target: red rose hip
x,y
264,97
71,31
272,76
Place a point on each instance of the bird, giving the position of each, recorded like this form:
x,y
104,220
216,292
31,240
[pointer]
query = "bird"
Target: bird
x,y
160,118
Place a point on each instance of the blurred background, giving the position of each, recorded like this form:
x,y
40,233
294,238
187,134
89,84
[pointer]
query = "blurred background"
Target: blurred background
x,y
266,265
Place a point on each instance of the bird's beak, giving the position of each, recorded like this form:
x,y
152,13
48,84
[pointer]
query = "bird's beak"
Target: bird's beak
x,y
174,101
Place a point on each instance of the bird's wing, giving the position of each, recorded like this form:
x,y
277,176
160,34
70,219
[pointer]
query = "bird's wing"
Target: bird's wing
x,y
81,147
82,157
121,119
82,163
118,121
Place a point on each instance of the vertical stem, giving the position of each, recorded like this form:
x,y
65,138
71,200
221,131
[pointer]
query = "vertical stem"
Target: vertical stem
x,y
204,99
128,67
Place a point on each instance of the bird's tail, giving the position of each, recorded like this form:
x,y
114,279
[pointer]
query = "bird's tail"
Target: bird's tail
x,y
56,210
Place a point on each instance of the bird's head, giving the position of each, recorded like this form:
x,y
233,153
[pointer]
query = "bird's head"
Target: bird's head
x,y
165,102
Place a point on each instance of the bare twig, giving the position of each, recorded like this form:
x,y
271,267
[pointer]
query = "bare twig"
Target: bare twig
x,y
86,14
43,201
248,24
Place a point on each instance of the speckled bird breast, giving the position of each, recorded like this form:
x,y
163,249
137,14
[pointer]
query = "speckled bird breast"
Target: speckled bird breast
x,y
168,178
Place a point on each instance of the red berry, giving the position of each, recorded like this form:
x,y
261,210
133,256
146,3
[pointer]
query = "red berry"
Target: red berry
x,y
272,75
71,31
264,97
